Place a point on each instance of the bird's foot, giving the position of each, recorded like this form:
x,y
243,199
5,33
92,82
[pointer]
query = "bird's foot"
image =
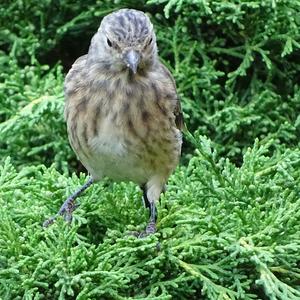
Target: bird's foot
x,y
150,229
66,211
69,205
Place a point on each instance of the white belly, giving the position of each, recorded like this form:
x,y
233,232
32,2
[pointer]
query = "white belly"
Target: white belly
x,y
112,158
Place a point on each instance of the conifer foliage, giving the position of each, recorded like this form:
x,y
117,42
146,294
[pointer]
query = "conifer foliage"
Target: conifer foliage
x,y
229,223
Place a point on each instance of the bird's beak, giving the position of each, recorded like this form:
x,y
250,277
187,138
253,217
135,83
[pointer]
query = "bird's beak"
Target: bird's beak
x,y
132,59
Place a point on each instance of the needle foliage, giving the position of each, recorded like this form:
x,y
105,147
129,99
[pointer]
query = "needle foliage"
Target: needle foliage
x,y
229,223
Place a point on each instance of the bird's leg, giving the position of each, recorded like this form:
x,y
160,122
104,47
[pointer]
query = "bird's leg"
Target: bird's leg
x,y
151,193
145,199
69,205
151,227
146,202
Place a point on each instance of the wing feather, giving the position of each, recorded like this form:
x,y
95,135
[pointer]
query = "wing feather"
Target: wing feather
x,y
179,121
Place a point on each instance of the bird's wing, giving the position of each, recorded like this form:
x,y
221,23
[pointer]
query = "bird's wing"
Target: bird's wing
x,y
179,121
77,70
74,84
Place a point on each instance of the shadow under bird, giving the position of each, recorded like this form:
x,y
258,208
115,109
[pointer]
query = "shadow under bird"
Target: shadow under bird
x,y
122,111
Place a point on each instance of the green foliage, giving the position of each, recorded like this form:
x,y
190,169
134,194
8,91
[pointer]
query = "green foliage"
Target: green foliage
x,y
235,64
32,128
224,232
35,27
229,223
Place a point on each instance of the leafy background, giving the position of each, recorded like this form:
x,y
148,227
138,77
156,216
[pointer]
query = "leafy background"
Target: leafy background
x,y
229,224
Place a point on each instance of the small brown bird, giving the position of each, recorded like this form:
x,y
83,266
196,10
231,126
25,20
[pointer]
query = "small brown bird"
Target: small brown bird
x,y
122,110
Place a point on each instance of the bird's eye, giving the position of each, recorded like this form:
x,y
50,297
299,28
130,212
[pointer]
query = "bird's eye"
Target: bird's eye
x,y
109,43
148,43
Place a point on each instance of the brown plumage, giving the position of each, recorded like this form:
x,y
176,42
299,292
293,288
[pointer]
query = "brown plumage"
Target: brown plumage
x,y
122,110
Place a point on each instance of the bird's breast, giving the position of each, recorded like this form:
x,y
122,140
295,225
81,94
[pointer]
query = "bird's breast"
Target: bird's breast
x,y
126,131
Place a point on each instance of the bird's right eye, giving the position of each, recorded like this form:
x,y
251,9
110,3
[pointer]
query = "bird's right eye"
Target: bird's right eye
x,y
109,43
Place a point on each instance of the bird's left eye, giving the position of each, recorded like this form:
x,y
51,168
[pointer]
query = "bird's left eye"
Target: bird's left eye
x,y
109,43
148,43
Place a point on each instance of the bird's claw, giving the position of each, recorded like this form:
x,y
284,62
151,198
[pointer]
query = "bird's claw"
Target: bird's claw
x,y
66,211
150,229
49,221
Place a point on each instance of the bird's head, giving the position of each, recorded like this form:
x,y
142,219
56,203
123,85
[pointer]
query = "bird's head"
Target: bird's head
x,y
125,41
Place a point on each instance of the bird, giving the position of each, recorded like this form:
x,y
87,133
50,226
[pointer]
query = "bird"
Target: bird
x,y
123,113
